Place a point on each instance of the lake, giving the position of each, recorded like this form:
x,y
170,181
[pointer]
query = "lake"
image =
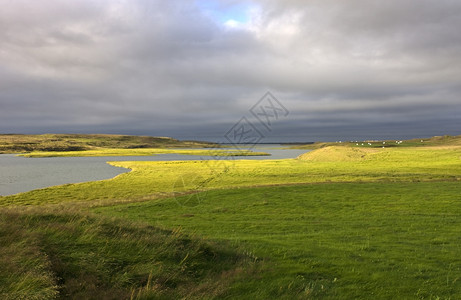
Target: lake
x,y
20,174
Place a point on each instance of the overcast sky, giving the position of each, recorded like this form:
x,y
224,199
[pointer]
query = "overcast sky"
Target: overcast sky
x,y
344,70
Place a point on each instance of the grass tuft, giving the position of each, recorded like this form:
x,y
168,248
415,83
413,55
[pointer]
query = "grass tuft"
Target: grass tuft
x,y
44,255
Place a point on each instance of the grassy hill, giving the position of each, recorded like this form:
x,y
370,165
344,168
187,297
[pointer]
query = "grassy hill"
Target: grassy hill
x,y
18,143
336,154
445,140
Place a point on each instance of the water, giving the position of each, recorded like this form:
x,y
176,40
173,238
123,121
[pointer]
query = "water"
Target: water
x,y
20,174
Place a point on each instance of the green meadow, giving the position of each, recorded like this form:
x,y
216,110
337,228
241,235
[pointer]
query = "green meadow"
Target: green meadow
x,y
340,222
330,241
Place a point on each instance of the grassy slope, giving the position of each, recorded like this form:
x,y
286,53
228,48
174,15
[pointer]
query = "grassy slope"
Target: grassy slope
x,y
331,241
46,254
445,140
16,143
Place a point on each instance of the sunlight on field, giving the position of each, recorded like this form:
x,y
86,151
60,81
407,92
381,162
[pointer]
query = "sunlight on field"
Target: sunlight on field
x,y
331,241
156,178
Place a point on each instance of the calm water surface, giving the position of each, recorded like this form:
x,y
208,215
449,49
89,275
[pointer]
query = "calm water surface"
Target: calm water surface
x,y
20,174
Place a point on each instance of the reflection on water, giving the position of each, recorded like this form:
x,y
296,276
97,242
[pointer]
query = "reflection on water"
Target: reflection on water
x,y
19,174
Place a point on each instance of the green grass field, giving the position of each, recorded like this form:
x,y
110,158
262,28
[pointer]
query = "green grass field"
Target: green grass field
x,y
336,223
330,241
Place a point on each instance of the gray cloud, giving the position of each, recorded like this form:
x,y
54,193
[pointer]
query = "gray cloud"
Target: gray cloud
x,y
360,68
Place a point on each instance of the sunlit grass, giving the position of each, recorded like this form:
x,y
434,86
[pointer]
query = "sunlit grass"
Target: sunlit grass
x,y
157,178
445,140
330,241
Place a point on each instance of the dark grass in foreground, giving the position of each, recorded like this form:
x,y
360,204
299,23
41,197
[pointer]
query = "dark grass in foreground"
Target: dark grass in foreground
x,y
68,255
331,241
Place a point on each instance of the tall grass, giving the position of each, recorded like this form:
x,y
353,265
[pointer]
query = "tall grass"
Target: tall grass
x,y
46,254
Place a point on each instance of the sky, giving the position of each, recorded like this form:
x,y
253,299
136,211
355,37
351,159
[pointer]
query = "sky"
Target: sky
x,y
192,69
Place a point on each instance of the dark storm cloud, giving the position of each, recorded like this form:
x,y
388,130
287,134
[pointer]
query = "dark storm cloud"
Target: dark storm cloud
x,y
192,68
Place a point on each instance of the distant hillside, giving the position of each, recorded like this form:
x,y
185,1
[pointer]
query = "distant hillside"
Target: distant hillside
x,y
18,143
336,154
445,140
